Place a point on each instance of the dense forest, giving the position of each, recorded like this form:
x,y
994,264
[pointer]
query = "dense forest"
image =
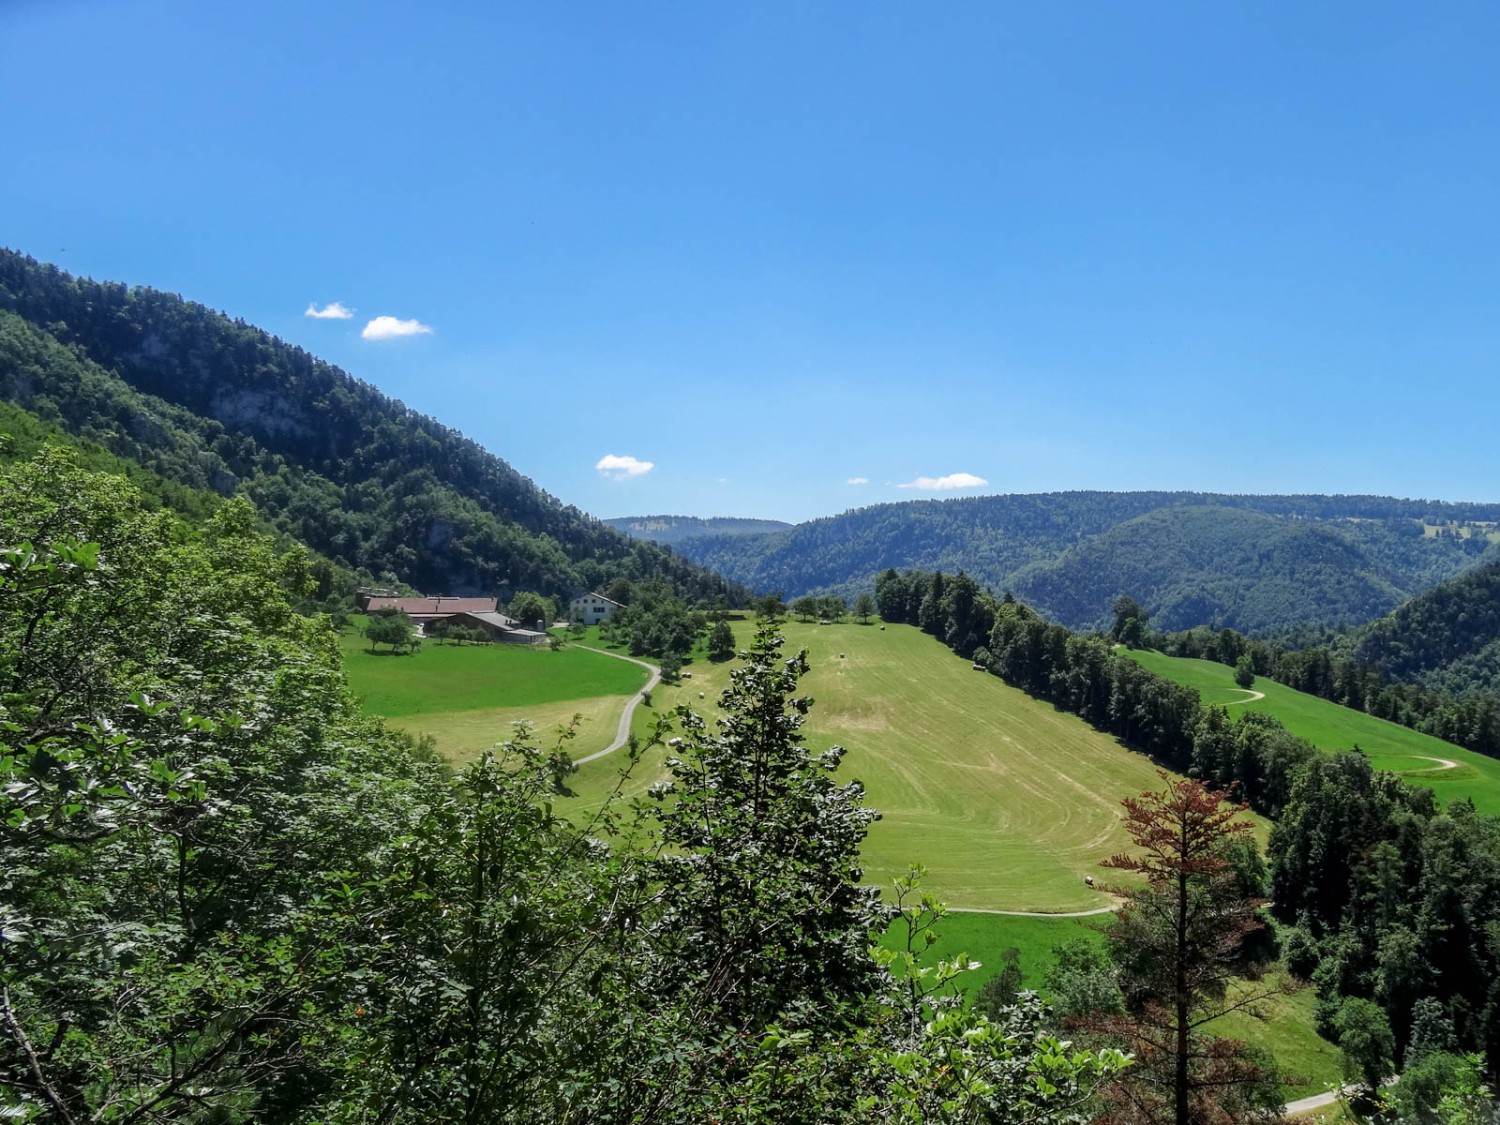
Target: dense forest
x,y
1254,563
1388,905
1447,639
216,405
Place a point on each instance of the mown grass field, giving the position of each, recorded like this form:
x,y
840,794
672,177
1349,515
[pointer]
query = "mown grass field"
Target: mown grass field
x,y
468,696
1388,745
1007,802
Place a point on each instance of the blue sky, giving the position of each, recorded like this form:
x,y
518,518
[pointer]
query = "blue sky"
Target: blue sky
x,y
773,248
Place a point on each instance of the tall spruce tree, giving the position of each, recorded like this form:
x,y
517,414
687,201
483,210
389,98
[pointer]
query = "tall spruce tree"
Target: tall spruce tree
x,y
760,854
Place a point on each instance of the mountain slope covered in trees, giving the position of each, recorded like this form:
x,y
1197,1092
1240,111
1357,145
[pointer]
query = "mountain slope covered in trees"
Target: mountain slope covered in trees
x,y
213,403
1446,639
1256,563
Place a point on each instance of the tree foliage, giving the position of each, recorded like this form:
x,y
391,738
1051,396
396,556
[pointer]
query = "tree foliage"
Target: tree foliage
x,y
390,627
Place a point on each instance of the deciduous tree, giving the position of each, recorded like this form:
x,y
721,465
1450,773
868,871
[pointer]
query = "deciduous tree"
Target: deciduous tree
x,y
721,641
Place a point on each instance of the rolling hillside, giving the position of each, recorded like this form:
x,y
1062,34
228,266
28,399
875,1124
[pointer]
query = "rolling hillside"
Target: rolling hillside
x,y
1450,771
1007,801
214,404
1257,563
1246,570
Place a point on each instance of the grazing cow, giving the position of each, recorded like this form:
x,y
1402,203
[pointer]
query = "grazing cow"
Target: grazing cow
x,y
1089,879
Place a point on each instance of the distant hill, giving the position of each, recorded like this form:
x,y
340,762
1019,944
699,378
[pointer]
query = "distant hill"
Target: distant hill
x,y
1446,639
1233,567
674,529
217,405
1255,563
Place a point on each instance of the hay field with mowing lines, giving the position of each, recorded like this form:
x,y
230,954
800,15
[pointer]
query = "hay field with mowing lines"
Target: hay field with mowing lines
x,y
1328,726
1008,802
468,696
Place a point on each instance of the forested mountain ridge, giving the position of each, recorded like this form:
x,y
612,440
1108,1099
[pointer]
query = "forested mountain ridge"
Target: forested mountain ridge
x,y
674,529
217,404
1238,568
1446,639
1256,563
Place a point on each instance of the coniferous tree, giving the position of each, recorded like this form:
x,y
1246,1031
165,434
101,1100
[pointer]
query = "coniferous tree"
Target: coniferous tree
x,y
1176,941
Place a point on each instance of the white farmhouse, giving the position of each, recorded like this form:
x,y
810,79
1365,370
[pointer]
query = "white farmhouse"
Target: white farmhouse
x,y
592,608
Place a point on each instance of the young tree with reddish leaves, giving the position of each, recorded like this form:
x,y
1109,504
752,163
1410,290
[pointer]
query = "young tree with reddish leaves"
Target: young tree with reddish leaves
x,y
1177,942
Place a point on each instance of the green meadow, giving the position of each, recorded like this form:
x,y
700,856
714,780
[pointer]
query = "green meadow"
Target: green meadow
x,y
469,696
1415,756
1009,803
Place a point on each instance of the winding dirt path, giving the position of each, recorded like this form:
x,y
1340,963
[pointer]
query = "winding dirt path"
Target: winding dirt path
x,y
1251,695
1442,764
622,732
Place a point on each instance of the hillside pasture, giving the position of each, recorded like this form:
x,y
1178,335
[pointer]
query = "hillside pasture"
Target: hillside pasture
x,y
1008,802
1415,756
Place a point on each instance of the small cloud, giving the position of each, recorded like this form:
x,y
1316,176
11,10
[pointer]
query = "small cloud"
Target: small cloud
x,y
619,468
389,328
858,480
945,484
332,311
723,480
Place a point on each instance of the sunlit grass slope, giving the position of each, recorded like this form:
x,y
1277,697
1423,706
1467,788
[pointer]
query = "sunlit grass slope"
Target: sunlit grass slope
x,y
1327,725
468,696
1008,802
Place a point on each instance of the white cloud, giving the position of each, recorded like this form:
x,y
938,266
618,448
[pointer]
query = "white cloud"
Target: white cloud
x,y
333,311
945,484
858,480
389,328
619,468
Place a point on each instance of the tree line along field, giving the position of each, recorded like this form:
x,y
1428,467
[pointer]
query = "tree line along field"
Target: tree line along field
x,y
1417,757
